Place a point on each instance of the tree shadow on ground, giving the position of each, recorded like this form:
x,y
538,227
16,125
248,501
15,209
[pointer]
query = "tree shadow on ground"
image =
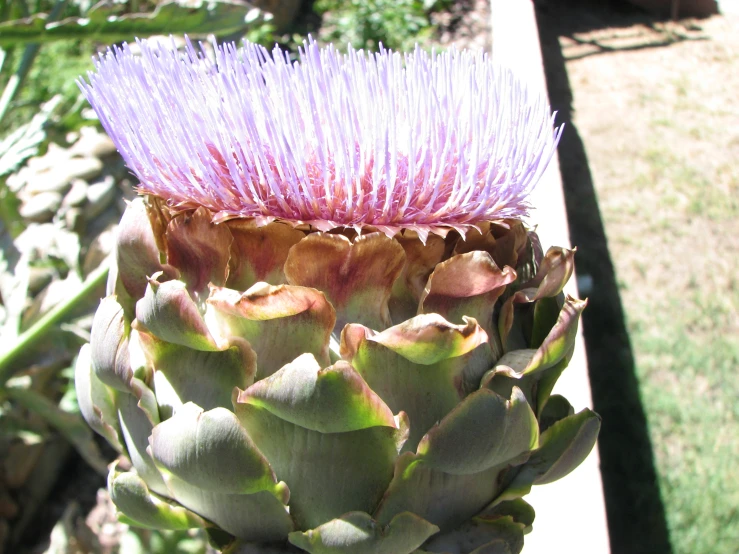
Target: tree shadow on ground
x,y
589,27
636,517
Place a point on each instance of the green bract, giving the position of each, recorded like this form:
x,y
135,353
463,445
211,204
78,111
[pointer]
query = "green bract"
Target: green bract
x,y
291,390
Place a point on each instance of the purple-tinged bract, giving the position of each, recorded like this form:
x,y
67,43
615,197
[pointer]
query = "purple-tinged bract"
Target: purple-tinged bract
x,y
420,141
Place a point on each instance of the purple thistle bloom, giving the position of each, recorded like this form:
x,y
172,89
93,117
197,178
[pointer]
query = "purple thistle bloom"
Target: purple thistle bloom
x,y
420,141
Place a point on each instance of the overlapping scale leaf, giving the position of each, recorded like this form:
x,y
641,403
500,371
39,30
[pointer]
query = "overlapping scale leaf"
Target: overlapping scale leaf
x,y
109,340
168,311
207,378
138,253
479,536
358,533
211,466
200,250
136,426
326,434
281,322
361,479
96,401
356,277
211,450
468,285
260,517
522,325
484,431
455,472
423,367
258,254
563,446
142,508
441,498
505,241
498,529
535,370
420,261
331,400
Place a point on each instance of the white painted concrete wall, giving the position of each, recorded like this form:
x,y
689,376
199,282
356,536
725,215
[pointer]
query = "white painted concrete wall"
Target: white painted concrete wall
x,y
570,514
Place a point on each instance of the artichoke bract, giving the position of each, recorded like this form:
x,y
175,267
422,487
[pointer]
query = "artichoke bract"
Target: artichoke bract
x,y
328,328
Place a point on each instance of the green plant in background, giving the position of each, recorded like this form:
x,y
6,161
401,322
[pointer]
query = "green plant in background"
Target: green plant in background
x,y
327,329
397,24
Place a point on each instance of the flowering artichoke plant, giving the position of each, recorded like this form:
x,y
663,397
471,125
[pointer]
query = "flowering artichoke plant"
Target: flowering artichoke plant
x,y
328,329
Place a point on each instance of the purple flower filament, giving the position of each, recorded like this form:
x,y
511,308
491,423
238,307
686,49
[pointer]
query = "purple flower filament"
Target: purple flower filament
x,y
420,141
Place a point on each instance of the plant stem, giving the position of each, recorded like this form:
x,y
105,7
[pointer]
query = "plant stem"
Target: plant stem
x,y
52,318
16,80
29,56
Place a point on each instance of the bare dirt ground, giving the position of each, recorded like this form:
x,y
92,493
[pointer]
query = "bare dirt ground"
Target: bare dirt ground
x,y
651,170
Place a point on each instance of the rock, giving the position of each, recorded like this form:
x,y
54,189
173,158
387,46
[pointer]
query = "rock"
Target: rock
x,y
59,178
99,196
93,143
77,194
74,220
55,155
41,207
37,241
48,181
39,278
82,168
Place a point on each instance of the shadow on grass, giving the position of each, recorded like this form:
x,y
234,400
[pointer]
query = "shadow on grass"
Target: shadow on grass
x,y
636,517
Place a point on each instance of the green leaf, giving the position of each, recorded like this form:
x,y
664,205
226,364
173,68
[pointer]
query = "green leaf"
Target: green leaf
x,y
358,533
535,371
468,285
15,149
170,17
331,400
109,341
519,511
212,451
168,311
349,469
564,446
523,326
96,401
484,431
553,273
132,497
497,530
211,466
424,366
556,408
259,517
280,322
206,378
136,427
441,498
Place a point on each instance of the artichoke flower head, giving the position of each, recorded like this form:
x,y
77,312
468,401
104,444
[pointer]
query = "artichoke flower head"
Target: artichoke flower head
x,y
328,329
